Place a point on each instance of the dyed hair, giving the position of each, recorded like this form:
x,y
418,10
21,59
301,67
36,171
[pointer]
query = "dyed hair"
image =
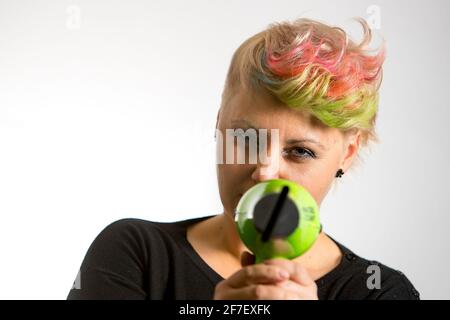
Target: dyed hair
x,y
315,67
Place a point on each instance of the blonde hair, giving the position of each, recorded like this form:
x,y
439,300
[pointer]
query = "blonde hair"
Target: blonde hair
x,y
315,67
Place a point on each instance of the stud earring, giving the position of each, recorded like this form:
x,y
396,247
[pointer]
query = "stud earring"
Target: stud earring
x,y
339,173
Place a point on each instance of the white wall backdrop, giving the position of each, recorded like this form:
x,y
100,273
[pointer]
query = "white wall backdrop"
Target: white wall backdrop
x,y
106,104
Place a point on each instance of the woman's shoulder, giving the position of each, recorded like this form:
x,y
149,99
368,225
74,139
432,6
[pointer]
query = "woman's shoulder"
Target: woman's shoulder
x,y
361,278
385,282
142,236
138,227
131,237
126,255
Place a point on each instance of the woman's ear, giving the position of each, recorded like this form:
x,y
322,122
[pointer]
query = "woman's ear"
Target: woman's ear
x,y
217,123
352,142
218,115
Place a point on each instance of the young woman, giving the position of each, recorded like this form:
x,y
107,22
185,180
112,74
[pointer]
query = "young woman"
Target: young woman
x,y
320,90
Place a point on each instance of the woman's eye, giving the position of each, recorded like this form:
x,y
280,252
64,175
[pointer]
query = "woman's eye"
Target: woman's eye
x,y
302,153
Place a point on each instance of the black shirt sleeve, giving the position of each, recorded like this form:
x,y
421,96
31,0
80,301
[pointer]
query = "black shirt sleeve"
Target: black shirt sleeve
x,y
356,279
115,264
395,287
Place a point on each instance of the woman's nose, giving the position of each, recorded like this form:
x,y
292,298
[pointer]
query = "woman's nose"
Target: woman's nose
x,y
267,169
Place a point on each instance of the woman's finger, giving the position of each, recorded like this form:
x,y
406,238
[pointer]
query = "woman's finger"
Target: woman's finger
x,y
302,292
259,292
258,273
297,272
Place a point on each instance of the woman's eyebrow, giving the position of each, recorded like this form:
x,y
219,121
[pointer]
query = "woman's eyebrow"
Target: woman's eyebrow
x,y
294,141
243,122
248,124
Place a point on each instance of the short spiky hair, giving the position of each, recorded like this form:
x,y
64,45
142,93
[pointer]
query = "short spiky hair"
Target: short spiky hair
x,y
315,67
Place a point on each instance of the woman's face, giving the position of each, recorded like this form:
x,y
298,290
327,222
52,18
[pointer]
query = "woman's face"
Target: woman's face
x,y
312,164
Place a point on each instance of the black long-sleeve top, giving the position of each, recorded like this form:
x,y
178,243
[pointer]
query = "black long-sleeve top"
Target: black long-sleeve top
x,y
139,259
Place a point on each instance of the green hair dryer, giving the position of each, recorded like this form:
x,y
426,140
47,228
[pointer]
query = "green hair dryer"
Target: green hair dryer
x,y
277,219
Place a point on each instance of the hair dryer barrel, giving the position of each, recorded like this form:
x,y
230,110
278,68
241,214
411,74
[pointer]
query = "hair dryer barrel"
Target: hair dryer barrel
x,y
277,219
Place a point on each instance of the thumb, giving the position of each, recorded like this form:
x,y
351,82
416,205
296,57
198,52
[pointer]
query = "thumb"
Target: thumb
x,y
247,258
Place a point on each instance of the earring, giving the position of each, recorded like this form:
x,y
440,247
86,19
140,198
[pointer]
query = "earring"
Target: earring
x,y
339,173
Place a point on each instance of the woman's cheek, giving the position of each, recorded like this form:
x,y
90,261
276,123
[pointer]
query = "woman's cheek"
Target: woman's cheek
x,y
229,185
314,180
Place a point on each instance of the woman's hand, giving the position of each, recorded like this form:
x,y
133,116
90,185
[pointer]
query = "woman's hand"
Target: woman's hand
x,y
275,279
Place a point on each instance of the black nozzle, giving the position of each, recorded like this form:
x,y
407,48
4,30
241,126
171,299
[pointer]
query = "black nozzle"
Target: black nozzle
x,y
276,215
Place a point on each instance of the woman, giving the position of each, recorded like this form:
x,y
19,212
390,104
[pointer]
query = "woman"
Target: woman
x,y
320,90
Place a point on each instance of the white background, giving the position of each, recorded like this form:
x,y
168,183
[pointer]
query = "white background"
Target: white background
x,y
110,114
